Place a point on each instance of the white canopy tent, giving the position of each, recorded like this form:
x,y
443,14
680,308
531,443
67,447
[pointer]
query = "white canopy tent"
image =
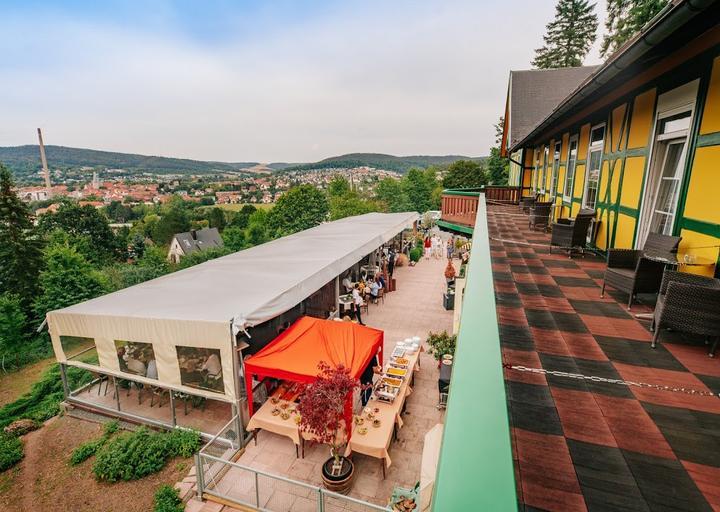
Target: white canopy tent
x,y
206,305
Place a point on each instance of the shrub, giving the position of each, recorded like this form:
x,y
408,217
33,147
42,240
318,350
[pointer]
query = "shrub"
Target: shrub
x,y
11,451
167,500
85,451
415,254
133,455
441,343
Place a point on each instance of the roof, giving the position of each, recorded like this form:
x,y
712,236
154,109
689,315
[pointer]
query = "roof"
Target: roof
x,y
533,94
675,25
256,284
201,239
296,353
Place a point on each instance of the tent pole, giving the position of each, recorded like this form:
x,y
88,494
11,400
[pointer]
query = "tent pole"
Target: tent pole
x,y
236,380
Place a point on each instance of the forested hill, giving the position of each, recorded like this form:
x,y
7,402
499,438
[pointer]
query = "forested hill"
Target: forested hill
x,y
25,160
381,161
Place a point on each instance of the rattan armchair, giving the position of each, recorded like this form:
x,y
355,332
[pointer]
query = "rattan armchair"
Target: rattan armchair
x,y
540,215
629,271
688,303
527,203
572,233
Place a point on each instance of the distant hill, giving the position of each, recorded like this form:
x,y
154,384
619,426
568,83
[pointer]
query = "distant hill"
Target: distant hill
x,y
25,161
388,162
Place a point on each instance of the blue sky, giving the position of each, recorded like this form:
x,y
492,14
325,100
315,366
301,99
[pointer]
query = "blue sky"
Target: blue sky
x,y
263,81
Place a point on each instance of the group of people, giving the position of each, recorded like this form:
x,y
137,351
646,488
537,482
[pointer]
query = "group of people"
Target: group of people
x,y
433,247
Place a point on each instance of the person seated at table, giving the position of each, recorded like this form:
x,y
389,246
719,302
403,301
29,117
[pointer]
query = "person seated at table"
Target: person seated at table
x,y
212,366
333,314
347,283
381,281
374,289
136,366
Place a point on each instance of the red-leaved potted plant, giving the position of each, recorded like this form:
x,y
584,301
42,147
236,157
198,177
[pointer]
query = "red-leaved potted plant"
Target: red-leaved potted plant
x,y
322,407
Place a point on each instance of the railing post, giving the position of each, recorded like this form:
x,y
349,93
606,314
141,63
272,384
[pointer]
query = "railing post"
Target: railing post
x,y
172,408
257,490
63,377
321,500
200,475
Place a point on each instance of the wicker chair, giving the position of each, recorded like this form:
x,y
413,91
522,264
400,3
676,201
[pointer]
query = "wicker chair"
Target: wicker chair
x,y
688,303
527,203
540,215
572,233
630,272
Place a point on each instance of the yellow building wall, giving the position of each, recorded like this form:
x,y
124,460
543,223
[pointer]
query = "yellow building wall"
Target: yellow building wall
x,y
642,119
632,181
624,232
702,201
711,113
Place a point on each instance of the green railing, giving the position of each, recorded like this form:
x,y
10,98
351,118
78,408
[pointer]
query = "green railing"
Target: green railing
x,y
475,471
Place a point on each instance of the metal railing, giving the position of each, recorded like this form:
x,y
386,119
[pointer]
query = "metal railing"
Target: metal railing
x,y
220,476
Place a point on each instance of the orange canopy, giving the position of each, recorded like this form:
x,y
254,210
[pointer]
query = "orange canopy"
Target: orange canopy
x,y
295,354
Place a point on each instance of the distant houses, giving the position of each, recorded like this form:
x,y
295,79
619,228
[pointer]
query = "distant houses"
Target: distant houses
x,y
183,244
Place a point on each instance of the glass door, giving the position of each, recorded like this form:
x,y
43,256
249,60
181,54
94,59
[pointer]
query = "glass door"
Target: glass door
x,y
662,216
592,173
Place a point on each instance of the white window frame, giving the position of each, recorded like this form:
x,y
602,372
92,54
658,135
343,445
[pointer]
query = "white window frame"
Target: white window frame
x,y
546,154
557,156
570,169
593,148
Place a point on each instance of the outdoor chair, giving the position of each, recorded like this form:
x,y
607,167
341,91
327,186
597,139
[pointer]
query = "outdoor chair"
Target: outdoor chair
x,y
158,392
527,203
630,271
572,233
688,303
100,378
540,215
381,296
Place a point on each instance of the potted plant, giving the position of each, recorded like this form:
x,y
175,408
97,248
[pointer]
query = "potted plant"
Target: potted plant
x,y
450,272
441,343
322,406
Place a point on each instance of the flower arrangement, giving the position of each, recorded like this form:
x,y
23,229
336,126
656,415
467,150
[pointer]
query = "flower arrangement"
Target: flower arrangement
x,y
450,271
441,343
322,404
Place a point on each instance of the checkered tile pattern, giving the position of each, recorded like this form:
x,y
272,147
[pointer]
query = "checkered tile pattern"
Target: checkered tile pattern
x,y
583,445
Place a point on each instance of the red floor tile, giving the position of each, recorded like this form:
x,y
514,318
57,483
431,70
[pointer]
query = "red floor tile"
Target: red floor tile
x,y
581,417
583,346
523,358
513,316
695,358
707,478
549,341
616,327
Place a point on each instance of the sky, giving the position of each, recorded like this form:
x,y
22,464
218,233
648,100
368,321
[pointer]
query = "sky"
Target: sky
x,y
267,81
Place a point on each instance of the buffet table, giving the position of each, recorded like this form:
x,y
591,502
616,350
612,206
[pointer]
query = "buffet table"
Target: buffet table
x,y
376,441
275,423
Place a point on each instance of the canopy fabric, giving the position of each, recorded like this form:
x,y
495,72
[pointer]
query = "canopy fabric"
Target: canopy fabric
x,y
296,353
205,305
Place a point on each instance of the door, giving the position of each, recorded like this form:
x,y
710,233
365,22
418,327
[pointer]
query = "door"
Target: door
x,y
594,163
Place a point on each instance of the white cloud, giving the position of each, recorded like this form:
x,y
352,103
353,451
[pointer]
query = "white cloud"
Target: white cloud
x,y
395,77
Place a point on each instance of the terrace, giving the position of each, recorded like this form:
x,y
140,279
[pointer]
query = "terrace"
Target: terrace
x,y
589,444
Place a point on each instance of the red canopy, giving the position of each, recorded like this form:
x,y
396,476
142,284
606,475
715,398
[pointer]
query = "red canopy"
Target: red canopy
x,y
295,354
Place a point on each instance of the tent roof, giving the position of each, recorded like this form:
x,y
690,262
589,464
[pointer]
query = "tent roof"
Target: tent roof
x,y
257,284
295,354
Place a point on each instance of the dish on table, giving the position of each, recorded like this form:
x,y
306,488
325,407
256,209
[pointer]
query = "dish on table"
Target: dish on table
x,y
285,415
390,381
376,423
402,361
275,411
397,372
297,420
376,410
359,420
398,352
362,430
284,405
275,400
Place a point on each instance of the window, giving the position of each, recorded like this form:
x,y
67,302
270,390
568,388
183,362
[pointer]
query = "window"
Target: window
x,y
570,168
78,348
663,214
536,170
201,368
555,169
594,164
543,186
137,357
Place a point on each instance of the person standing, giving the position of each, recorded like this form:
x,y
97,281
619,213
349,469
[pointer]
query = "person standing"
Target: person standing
x,y
391,261
357,302
366,380
450,248
427,245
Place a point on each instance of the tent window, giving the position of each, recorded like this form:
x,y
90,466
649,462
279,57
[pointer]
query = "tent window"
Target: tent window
x,y
79,348
137,357
200,368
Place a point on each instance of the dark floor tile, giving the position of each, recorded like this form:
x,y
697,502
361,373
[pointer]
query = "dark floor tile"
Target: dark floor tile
x,y
595,274
516,337
713,383
605,478
521,255
558,263
511,300
585,367
624,351
693,435
665,483
597,308
546,290
528,269
581,282
554,320
502,276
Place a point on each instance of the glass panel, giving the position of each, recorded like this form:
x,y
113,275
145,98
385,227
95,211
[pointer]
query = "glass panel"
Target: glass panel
x,y
668,189
79,348
593,177
570,171
671,166
661,223
201,368
137,357
597,135
675,123
666,195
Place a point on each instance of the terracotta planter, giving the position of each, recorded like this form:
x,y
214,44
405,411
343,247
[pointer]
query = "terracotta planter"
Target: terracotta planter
x,y
342,482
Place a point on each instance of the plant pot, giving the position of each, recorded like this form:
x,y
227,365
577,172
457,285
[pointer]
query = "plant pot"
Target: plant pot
x,y
340,482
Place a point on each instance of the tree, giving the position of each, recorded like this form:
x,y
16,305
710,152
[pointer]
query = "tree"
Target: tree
x,y
418,185
234,238
464,174
625,18
197,257
85,221
13,326
338,186
67,279
349,205
240,219
217,219
137,246
174,221
390,192
20,245
119,212
299,208
498,168
257,230
569,36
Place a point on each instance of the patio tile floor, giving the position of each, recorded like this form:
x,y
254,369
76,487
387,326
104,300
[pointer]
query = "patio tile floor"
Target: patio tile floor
x,y
584,445
414,309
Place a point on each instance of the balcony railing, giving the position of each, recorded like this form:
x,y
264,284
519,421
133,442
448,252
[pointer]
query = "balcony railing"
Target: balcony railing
x,y
476,466
459,206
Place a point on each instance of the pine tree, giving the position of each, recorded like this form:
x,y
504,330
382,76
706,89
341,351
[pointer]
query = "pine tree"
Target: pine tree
x,y
625,19
569,36
20,245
